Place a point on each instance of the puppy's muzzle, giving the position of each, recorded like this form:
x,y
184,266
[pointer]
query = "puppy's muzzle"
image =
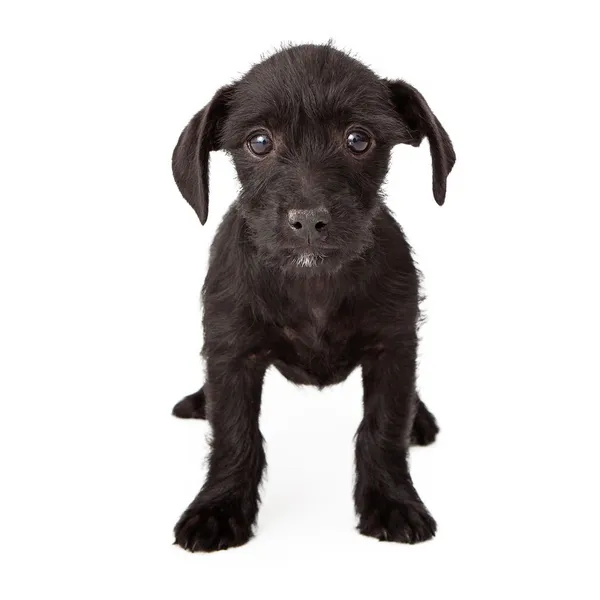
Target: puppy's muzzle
x,y
310,225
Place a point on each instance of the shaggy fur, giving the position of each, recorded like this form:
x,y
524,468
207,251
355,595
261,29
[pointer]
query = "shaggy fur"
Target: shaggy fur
x,y
314,298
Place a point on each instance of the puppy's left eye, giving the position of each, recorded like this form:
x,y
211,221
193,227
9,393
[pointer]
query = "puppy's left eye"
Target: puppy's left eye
x,y
260,144
358,141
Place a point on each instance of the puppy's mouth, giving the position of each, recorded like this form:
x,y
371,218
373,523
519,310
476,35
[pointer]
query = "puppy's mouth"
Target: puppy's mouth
x,y
308,258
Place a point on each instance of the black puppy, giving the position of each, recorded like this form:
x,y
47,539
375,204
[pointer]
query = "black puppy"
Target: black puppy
x,y
309,272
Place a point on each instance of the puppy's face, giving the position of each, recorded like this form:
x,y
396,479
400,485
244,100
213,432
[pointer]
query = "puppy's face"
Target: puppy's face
x,y
310,131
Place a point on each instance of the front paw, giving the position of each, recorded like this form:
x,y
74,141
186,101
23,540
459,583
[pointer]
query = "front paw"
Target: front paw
x,y
209,528
406,521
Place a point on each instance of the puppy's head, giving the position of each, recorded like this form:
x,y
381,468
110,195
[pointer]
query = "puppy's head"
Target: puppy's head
x,y
310,131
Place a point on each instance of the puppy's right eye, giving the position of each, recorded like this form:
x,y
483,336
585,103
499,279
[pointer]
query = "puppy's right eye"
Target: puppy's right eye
x,y
260,144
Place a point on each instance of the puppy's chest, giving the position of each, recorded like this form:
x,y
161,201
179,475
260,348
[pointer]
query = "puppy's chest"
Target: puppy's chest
x,y
313,329
316,346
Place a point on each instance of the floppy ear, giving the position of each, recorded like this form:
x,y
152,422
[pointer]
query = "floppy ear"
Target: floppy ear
x,y
190,157
421,122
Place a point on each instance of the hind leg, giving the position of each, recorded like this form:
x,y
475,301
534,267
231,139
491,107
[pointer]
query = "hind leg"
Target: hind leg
x,y
425,427
192,406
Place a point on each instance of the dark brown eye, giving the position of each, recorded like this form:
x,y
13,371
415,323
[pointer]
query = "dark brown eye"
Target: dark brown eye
x,y
260,144
358,141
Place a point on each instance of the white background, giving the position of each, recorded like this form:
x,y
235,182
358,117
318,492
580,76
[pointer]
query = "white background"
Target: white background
x,y
102,263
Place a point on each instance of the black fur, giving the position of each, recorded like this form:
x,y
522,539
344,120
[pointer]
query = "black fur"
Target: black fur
x,y
315,310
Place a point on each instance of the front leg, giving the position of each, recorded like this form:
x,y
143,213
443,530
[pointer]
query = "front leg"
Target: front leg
x,y
387,503
225,510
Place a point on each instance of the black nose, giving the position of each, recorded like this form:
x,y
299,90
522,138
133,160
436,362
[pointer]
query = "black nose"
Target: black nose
x,y
309,224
